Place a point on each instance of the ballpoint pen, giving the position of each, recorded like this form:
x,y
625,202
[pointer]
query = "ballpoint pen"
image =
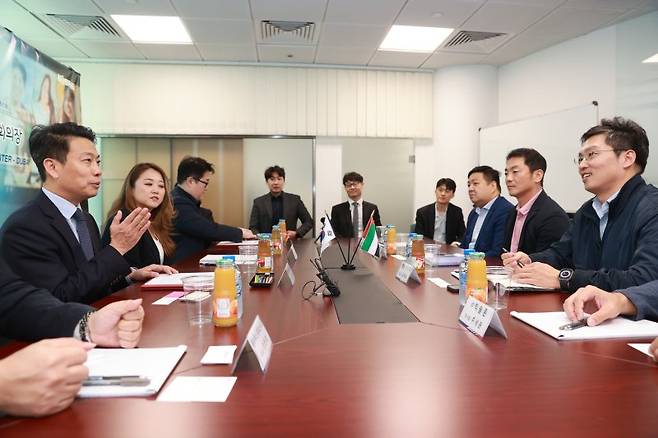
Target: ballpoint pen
x,y
518,262
116,381
574,325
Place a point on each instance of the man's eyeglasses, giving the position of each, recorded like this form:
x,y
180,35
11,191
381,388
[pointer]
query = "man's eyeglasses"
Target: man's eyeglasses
x,y
589,156
351,184
205,183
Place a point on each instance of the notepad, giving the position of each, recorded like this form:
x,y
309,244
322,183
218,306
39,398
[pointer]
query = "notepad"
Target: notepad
x,y
154,363
549,323
169,281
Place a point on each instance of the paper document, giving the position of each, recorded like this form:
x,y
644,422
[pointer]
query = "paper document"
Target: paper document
x,y
549,323
444,259
222,354
514,286
154,363
244,242
439,282
211,259
168,299
198,389
644,348
168,281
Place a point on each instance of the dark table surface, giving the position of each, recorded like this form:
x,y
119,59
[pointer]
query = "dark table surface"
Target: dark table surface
x,y
430,378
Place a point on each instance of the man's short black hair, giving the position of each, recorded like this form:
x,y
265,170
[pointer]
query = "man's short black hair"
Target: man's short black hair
x,y
622,135
52,141
275,169
533,159
448,183
489,174
193,167
352,176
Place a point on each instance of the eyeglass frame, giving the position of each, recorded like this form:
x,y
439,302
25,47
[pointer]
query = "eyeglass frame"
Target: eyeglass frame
x,y
593,154
205,183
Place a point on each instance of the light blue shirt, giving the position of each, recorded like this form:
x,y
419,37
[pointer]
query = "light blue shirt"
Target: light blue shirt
x,y
65,208
601,210
482,215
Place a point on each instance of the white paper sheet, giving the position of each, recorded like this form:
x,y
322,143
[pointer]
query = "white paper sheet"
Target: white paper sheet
x,y
220,354
173,280
198,389
439,282
168,299
244,242
513,284
211,259
549,323
644,348
154,363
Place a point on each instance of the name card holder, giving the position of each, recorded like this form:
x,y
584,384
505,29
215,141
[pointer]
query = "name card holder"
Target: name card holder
x,y
291,255
478,317
257,341
406,271
287,277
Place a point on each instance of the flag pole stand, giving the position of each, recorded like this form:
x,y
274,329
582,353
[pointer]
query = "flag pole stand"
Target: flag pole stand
x,y
348,266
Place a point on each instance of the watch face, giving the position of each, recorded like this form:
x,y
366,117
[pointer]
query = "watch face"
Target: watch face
x,y
566,273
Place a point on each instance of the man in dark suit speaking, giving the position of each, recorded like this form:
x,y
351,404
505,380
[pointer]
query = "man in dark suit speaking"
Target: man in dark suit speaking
x,y
537,221
51,242
349,218
441,221
269,209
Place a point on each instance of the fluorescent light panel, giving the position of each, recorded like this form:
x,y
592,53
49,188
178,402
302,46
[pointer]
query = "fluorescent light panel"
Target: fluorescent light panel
x,y
153,29
414,38
653,58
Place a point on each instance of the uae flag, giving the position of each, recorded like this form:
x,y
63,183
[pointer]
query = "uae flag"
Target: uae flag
x,y
370,242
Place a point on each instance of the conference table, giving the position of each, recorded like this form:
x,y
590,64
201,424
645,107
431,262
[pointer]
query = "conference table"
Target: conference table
x,y
426,378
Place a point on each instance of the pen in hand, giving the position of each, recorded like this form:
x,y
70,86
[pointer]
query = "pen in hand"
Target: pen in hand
x,y
518,262
574,325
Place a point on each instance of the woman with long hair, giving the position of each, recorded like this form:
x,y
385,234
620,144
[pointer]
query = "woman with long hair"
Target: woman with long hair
x,y
146,186
44,108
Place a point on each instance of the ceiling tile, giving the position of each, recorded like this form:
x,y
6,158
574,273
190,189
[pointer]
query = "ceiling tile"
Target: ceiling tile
x,y
499,17
644,8
140,7
228,32
56,48
349,35
621,5
169,52
551,4
73,7
22,23
214,9
572,22
274,53
439,13
96,49
289,10
398,59
378,12
443,59
482,47
521,46
220,52
343,56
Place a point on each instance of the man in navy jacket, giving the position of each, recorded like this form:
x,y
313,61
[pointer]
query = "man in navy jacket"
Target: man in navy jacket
x,y
613,241
485,228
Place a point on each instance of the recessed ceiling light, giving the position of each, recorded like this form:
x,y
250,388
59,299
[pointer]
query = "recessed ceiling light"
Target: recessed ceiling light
x,y
153,29
653,58
414,38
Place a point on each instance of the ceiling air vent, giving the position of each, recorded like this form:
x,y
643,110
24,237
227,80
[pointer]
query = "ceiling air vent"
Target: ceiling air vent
x,y
302,31
81,26
470,36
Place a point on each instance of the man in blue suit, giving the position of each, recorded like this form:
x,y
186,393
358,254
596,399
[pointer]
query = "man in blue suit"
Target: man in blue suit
x,y
485,228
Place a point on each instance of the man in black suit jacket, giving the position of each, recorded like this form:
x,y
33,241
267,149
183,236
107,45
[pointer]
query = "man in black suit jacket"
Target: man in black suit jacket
x,y
51,242
276,205
194,228
537,221
342,214
45,377
450,228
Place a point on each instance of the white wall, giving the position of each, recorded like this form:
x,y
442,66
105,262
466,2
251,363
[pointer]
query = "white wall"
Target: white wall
x,y
465,99
564,76
243,100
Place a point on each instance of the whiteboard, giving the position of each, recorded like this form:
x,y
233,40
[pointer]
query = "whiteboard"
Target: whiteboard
x,y
557,137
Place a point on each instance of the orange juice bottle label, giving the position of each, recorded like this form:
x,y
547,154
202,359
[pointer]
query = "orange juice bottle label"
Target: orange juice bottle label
x,y
222,308
265,262
420,263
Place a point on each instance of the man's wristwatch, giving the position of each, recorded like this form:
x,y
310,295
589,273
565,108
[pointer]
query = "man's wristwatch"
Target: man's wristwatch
x,y
565,278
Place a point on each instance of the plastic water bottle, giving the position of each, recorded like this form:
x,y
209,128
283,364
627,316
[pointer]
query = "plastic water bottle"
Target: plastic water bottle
x,y
238,291
463,268
407,248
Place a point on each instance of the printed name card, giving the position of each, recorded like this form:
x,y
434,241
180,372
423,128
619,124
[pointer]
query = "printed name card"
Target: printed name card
x,y
287,276
292,254
406,271
257,341
478,317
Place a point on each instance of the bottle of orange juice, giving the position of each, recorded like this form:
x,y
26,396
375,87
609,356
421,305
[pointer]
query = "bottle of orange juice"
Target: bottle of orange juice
x,y
264,253
476,277
282,228
418,253
390,240
276,240
224,296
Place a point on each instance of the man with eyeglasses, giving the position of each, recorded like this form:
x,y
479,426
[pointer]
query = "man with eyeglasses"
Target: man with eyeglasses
x,y
194,228
349,218
612,244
